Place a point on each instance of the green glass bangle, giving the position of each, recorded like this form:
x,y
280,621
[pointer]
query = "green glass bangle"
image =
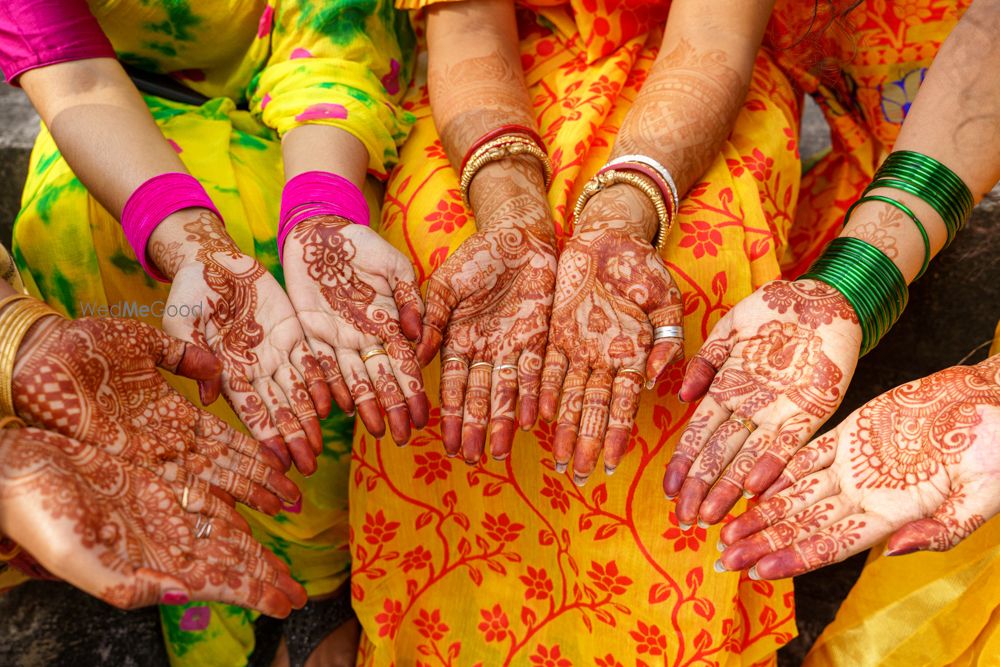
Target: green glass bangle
x,y
905,209
870,282
934,170
931,181
945,207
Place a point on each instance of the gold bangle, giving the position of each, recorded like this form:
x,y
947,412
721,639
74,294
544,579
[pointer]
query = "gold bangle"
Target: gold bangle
x,y
644,184
498,149
14,324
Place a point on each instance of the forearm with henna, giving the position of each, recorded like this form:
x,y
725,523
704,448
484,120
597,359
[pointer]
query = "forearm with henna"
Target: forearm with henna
x,y
695,89
475,78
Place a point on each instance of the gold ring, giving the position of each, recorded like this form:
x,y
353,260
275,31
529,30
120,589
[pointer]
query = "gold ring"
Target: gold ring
x,y
746,423
481,364
635,371
184,497
374,352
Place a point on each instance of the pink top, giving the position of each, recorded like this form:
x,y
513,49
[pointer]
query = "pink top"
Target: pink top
x,y
36,33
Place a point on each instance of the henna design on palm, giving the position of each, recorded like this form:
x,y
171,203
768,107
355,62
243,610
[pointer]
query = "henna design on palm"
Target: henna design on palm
x,y
269,375
96,380
918,463
612,290
119,532
782,359
488,310
355,293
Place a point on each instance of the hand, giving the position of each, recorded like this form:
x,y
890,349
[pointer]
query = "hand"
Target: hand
x,y
920,463
96,380
228,303
612,290
355,293
779,361
488,310
119,532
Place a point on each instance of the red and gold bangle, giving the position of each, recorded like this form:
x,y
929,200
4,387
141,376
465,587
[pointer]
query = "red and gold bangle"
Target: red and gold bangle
x,y
501,147
646,185
503,130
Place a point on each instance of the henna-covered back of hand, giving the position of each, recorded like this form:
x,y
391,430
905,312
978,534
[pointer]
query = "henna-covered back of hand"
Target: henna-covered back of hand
x,y
358,301
228,303
120,532
488,310
779,361
96,380
612,290
920,463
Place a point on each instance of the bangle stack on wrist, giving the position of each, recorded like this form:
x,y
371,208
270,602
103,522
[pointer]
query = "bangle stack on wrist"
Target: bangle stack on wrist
x,y
929,180
503,142
645,174
869,281
17,314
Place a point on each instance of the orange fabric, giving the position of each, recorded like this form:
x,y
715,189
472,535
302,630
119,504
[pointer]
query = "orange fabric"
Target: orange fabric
x,y
510,563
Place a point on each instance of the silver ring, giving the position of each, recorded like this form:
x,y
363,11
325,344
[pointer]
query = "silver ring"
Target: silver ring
x,y
481,364
458,359
507,367
202,527
673,331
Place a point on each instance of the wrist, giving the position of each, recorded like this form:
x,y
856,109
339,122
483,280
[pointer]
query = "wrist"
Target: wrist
x,y
20,315
175,244
511,192
620,206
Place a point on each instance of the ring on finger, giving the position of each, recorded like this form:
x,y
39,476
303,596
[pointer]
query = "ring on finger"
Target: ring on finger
x,y
202,527
374,352
458,359
481,364
185,497
745,422
507,367
635,371
672,331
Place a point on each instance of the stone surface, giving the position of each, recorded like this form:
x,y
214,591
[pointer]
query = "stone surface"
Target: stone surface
x,y
18,128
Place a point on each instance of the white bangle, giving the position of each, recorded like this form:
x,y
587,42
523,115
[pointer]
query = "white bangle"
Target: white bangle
x,y
655,166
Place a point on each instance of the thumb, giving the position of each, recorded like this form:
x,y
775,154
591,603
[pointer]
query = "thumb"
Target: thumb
x,y
951,523
407,296
703,366
154,587
440,302
187,334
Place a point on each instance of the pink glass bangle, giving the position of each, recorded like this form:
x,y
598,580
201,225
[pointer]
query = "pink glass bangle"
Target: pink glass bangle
x,y
150,205
314,193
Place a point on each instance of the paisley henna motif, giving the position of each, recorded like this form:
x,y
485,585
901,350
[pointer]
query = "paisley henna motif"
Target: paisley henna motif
x,y
119,532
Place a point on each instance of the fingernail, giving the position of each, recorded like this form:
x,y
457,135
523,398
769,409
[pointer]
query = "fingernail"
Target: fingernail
x,y
450,455
609,470
580,480
719,546
561,467
651,383
684,526
174,597
748,495
718,566
400,445
502,457
669,497
471,462
702,524
901,551
752,573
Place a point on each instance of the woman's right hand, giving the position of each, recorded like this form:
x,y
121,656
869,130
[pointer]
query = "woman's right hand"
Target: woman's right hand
x,y
123,534
228,303
488,310
780,361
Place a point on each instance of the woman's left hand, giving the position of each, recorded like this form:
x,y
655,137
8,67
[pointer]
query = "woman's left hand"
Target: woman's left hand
x,y
919,464
612,290
357,299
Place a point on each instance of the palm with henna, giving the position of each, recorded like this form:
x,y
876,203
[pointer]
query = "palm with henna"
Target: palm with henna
x,y
118,531
612,290
488,311
228,303
96,380
780,360
919,464
354,293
